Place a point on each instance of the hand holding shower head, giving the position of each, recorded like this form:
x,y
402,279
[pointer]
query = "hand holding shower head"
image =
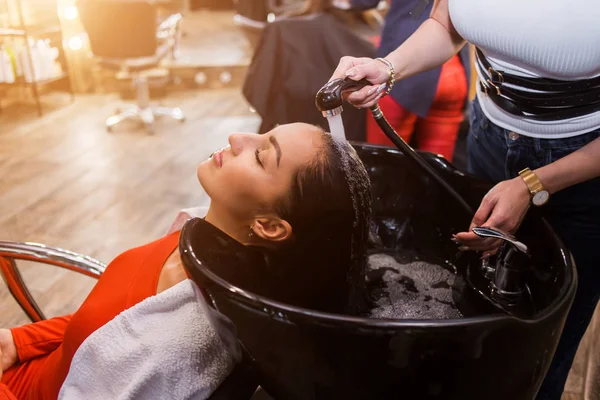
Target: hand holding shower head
x,y
329,101
329,98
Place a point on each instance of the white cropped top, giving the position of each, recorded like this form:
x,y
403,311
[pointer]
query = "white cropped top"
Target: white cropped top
x,y
536,38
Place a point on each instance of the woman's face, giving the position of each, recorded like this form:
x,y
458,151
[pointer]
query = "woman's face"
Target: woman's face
x,y
255,171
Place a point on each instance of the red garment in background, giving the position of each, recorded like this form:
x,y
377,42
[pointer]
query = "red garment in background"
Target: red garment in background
x,y
46,348
437,132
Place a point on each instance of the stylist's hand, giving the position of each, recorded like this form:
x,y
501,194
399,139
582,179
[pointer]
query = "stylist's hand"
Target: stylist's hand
x,y
503,208
8,350
374,71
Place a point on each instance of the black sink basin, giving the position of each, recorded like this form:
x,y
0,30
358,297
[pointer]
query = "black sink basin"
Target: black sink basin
x,y
487,354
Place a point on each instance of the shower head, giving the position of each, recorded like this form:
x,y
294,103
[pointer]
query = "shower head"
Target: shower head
x,y
329,98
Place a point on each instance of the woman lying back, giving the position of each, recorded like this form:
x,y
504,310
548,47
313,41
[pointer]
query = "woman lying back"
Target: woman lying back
x,y
295,192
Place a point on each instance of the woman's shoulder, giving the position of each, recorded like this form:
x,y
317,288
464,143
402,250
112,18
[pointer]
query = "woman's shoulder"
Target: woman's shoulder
x,y
166,243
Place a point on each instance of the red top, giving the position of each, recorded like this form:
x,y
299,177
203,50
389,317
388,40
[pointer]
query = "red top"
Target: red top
x,y
46,348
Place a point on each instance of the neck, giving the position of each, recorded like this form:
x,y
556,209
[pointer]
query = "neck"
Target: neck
x,y
234,228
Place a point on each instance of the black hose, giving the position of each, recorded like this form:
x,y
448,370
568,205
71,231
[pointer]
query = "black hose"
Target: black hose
x,y
412,154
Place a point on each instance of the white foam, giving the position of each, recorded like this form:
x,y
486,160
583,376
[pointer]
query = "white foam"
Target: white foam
x,y
414,290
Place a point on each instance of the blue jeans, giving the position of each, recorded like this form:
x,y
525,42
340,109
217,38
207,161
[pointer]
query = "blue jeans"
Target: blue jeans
x,y
497,154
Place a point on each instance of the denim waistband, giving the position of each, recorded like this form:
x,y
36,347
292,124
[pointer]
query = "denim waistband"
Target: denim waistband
x,y
569,143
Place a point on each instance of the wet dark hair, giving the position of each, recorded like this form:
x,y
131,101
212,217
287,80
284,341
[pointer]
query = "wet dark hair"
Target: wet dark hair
x,y
323,265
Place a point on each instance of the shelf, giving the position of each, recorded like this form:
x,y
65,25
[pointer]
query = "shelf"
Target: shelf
x,y
11,32
21,81
42,23
29,31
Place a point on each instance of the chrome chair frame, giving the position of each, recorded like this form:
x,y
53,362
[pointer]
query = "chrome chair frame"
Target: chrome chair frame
x,y
12,251
169,36
239,385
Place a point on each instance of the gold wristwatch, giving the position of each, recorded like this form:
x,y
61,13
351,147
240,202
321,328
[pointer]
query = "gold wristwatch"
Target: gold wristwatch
x,y
539,195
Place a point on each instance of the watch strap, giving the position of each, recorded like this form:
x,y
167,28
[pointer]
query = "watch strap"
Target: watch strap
x,y
532,181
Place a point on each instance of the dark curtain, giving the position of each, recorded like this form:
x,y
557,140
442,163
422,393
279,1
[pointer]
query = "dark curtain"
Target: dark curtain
x,y
294,59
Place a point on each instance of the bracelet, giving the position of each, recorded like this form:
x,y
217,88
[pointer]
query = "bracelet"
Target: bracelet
x,y
392,78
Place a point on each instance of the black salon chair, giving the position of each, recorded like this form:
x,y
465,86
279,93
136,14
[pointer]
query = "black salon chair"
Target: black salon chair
x,y
239,385
127,37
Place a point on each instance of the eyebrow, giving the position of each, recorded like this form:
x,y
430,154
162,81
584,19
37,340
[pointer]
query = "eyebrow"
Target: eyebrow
x,y
275,144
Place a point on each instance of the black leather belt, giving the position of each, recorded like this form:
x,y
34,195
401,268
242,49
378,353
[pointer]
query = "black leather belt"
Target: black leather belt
x,y
554,99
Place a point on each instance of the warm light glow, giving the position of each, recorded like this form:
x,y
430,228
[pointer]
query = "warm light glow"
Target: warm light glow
x,y
75,43
200,78
271,17
225,77
70,12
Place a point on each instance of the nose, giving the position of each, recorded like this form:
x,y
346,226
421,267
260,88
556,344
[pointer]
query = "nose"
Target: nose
x,y
238,141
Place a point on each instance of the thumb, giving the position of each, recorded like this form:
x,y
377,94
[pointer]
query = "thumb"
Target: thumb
x,y
374,71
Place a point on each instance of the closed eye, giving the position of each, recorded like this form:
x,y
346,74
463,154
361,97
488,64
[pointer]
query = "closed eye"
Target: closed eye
x,y
256,152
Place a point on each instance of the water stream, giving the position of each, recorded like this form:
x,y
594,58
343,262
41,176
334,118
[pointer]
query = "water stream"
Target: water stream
x,y
336,126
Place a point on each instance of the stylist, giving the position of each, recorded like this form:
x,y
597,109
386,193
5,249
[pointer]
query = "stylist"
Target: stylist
x,y
535,125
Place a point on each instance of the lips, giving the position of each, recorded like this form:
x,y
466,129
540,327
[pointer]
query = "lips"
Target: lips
x,y
217,157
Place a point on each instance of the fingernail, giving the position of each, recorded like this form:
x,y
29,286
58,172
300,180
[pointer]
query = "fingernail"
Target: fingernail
x,y
381,88
455,240
464,248
351,72
374,88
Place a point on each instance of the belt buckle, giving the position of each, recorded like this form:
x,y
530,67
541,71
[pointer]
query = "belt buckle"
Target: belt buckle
x,y
491,72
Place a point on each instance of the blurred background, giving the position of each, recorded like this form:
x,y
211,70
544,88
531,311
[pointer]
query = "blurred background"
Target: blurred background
x,y
107,107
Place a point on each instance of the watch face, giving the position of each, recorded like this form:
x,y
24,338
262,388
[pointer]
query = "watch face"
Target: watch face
x,y
540,198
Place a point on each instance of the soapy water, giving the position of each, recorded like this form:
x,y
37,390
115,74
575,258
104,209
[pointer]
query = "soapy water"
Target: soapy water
x,y
405,288
336,126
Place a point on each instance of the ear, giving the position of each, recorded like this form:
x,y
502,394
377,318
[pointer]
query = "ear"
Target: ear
x,y
272,229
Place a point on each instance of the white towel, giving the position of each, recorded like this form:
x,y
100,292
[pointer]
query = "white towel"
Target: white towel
x,y
169,346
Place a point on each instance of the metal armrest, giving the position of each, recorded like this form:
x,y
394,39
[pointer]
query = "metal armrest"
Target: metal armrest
x,y
240,384
169,33
11,251
169,27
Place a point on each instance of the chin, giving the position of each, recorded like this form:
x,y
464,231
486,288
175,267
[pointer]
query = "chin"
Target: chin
x,y
202,172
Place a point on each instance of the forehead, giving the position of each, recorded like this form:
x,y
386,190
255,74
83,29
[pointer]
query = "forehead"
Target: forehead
x,y
299,143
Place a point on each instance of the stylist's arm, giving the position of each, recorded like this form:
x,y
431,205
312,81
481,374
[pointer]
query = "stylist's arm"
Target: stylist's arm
x,y
434,43
506,204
